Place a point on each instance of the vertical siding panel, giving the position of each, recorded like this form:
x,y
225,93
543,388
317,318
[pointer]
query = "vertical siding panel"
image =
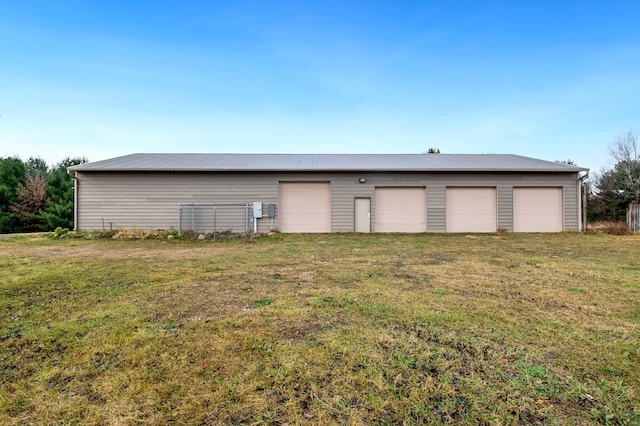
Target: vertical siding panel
x,y
505,207
436,208
344,189
150,200
570,207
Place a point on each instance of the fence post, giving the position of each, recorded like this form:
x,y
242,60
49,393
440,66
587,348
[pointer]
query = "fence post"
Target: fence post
x,y
633,217
246,218
180,220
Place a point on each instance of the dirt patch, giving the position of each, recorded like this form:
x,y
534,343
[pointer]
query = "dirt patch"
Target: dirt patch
x,y
23,234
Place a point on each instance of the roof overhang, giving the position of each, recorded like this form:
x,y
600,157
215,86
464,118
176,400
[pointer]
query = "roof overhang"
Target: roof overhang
x,y
326,163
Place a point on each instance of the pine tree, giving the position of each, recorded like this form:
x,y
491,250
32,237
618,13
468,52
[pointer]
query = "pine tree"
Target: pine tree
x,y
58,211
12,175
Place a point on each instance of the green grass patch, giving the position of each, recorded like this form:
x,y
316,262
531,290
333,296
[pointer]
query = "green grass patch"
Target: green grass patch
x,y
263,301
536,371
144,331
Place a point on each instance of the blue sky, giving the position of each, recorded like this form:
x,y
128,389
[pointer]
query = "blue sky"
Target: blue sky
x,y
547,79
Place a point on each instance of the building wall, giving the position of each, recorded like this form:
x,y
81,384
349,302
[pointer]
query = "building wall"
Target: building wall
x,y
505,207
145,200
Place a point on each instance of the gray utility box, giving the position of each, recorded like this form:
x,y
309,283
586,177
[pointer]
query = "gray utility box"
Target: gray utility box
x,y
271,210
257,210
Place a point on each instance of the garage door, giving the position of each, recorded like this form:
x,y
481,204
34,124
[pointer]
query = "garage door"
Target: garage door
x,y
305,207
537,209
471,210
400,209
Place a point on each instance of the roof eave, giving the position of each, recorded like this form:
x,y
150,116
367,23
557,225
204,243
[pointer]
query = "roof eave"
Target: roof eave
x,y
265,170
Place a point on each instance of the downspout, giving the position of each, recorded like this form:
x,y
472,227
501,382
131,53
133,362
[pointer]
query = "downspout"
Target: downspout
x,y
75,198
582,200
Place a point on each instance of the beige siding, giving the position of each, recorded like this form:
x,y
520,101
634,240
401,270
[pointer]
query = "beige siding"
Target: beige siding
x,y
505,207
150,200
571,218
436,210
344,188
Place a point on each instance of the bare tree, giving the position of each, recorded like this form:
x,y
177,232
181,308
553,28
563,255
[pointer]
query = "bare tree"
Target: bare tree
x,y
606,200
625,150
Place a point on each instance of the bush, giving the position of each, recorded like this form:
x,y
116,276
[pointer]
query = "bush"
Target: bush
x,y
609,227
59,232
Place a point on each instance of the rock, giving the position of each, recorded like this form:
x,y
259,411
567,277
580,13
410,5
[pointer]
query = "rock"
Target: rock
x,y
201,237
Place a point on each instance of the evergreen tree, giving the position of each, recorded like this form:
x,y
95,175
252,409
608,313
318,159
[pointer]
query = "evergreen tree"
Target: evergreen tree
x,y
58,211
36,167
13,173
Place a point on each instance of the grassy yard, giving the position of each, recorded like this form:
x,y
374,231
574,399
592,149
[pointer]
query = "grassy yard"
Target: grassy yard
x,y
324,329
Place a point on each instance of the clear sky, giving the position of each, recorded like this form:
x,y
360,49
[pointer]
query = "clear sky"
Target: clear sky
x,y
554,80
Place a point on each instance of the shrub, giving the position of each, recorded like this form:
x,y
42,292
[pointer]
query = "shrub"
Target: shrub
x,y
609,227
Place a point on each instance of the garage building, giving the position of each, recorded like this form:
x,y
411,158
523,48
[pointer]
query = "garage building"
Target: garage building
x,y
330,192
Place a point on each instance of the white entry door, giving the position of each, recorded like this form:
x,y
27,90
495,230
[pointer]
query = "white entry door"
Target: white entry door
x,y
363,215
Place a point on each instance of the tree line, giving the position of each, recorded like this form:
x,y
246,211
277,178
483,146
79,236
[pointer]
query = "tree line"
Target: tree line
x,y
35,197
614,188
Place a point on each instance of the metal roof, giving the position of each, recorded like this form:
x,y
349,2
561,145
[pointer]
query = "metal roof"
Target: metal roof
x,y
324,163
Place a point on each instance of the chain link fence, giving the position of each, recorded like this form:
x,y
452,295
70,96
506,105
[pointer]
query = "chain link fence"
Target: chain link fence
x,y
216,220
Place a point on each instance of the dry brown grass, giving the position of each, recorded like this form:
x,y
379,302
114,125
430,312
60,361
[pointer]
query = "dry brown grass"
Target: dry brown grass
x,y
609,227
382,329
